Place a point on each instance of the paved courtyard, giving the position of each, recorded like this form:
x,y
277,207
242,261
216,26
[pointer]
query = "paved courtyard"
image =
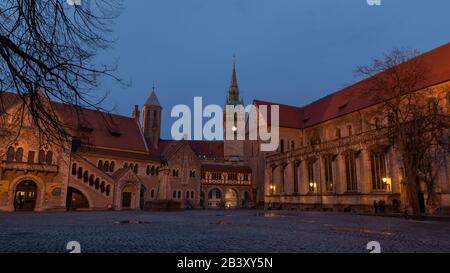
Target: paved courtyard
x,y
218,231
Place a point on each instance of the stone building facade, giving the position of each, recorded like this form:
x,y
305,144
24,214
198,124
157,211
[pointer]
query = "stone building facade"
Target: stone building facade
x,y
330,157
334,154
116,162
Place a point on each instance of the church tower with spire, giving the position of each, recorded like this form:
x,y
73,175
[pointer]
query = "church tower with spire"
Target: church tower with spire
x,y
151,119
233,149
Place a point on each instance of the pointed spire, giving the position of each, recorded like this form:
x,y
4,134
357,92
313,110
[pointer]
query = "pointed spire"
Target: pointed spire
x,y
234,78
152,99
233,91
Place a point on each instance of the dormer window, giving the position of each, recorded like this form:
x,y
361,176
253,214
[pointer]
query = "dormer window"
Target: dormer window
x,y
116,134
342,106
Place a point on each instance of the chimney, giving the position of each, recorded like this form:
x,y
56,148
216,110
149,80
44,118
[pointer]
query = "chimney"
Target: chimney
x,y
136,113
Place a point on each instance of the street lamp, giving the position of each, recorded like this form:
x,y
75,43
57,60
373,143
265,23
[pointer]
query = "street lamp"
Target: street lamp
x,y
272,188
387,181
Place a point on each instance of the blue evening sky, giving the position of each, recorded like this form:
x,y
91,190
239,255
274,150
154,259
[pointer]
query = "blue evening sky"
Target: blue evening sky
x,y
288,51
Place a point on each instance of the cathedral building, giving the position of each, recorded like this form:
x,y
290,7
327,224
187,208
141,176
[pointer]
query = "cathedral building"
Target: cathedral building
x,y
117,162
334,154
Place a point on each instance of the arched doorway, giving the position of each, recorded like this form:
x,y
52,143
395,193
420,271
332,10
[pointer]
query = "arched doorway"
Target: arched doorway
x,y
214,198
231,199
127,197
25,196
76,200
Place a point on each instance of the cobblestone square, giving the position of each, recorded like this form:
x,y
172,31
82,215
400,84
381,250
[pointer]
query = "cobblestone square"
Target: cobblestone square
x,y
216,231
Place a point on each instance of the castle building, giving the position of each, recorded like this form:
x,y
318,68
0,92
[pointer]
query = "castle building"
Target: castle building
x,y
118,162
331,156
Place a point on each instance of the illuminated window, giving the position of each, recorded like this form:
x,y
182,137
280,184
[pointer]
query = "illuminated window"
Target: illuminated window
x,y
311,181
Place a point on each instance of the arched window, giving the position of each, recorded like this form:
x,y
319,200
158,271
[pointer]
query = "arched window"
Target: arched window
x,y
108,190
106,167
131,165
152,171
74,169
147,171
376,123
125,165
378,165
91,179
86,176
102,187
41,157
80,173
100,165
10,154
338,132
350,171
152,194
49,158
135,169
214,194
112,166
192,194
187,195
174,194
311,180
97,180
350,130
97,184
19,155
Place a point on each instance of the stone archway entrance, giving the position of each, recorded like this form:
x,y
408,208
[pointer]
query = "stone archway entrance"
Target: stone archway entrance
x,y
76,200
214,198
25,196
127,197
231,199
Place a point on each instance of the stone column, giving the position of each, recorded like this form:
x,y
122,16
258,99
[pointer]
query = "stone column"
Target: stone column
x,y
364,167
341,183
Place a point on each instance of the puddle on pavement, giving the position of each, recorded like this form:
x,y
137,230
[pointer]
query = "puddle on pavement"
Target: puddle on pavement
x,y
131,222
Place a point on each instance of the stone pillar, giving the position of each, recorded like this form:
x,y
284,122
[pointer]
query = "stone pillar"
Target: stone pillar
x,y
341,183
364,167
295,166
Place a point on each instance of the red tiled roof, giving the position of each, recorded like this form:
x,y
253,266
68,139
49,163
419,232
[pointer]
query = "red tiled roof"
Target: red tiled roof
x,y
226,168
349,99
117,153
105,130
289,115
7,99
199,147
207,148
102,129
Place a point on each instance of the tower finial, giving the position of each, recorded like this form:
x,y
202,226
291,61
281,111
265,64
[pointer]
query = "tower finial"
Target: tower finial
x,y
153,86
